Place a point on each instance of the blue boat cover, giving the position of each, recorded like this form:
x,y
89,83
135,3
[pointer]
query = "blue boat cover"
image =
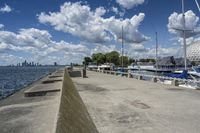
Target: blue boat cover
x,y
183,75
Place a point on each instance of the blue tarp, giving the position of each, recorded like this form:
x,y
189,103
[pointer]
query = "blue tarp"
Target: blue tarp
x,y
183,75
120,71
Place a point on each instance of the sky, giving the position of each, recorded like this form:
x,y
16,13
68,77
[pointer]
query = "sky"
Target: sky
x,y
66,31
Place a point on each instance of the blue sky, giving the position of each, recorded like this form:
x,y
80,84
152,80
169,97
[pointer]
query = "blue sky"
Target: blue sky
x,y
29,31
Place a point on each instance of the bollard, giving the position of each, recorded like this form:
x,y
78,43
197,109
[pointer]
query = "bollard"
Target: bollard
x,y
154,79
175,82
140,77
72,66
84,73
116,73
129,74
121,74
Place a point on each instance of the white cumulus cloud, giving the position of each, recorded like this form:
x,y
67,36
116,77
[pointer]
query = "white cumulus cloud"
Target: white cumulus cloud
x,y
140,51
5,9
128,4
175,21
1,26
117,11
80,20
130,28
103,48
39,46
8,59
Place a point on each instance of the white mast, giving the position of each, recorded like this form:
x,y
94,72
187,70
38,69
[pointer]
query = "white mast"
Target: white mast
x,y
197,4
122,48
156,51
184,37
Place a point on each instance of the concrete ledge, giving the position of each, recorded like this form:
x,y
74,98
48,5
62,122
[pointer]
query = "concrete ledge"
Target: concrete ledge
x,y
51,81
75,73
47,85
38,93
39,90
55,76
73,116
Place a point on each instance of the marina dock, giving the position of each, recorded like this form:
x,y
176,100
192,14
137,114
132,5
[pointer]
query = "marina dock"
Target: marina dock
x,y
100,103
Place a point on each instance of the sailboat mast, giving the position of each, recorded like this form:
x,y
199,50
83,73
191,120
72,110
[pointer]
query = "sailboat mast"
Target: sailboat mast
x,y
184,35
122,59
197,5
156,51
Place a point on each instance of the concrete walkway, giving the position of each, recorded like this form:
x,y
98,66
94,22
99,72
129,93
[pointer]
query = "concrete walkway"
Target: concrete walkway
x,y
122,105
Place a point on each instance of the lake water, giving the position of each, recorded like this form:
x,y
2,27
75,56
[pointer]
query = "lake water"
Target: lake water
x,y
14,78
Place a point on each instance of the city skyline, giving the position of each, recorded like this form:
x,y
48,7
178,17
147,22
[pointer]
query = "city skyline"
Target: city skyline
x,y
66,31
26,63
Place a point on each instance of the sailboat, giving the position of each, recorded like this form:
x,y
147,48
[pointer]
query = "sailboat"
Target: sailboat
x,y
185,71
194,73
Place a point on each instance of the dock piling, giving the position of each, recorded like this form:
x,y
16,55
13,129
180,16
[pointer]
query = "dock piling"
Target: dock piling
x,y
175,82
154,79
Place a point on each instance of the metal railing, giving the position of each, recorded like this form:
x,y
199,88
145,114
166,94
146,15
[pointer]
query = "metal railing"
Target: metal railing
x,y
148,77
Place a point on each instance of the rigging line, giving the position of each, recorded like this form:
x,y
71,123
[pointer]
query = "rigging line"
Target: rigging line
x,y
197,5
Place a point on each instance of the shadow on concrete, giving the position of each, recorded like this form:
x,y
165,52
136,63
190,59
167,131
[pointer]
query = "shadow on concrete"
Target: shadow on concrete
x,y
75,74
55,76
48,81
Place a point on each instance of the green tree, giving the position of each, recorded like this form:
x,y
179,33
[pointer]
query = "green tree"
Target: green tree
x,y
130,61
87,60
112,57
152,60
99,58
193,63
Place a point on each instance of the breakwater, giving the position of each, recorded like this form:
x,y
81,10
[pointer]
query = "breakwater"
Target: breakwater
x,y
73,116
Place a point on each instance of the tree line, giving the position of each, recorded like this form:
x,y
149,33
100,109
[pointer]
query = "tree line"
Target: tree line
x,y
112,57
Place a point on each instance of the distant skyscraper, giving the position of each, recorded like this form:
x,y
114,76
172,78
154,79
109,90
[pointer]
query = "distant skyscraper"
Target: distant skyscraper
x,y
55,64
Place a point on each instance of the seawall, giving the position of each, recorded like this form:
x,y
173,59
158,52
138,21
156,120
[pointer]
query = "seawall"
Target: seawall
x,y
73,116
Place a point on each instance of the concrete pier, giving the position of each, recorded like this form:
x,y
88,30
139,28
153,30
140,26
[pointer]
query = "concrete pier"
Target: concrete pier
x,y
51,105
124,105
100,103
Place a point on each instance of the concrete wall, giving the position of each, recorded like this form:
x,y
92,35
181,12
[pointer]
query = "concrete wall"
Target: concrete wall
x,y
73,116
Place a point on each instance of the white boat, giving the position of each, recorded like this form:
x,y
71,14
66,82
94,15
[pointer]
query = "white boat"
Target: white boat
x,y
92,66
150,68
106,66
134,67
195,73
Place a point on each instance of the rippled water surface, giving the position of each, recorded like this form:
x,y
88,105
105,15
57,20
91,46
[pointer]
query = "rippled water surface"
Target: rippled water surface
x,y
15,78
